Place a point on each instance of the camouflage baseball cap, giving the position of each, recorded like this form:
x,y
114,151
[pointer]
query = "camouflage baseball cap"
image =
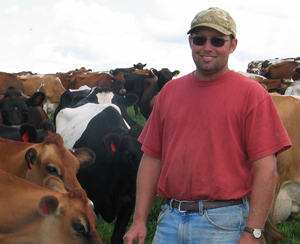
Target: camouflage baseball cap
x,y
215,18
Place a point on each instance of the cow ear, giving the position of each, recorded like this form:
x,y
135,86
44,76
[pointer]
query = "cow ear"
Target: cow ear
x,y
112,142
175,73
84,155
37,99
28,132
48,205
31,157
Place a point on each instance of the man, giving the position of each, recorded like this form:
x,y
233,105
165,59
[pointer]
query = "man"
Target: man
x,y
211,140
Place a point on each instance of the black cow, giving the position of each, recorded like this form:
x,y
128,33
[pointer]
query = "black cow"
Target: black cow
x,y
152,89
27,132
136,83
17,109
111,182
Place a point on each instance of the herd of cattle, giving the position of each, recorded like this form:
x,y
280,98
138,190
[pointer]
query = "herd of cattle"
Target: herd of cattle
x,y
91,144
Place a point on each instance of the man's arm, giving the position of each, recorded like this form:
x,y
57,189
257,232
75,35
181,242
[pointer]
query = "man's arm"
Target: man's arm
x,y
262,194
147,180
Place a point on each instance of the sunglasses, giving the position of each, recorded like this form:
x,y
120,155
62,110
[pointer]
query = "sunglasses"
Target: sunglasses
x,y
215,41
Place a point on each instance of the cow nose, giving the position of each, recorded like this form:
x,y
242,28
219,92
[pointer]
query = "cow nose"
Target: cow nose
x,y
91,204
122,91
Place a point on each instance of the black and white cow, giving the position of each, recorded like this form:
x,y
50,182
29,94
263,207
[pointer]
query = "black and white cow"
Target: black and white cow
x,y
111,182
77,97
17,109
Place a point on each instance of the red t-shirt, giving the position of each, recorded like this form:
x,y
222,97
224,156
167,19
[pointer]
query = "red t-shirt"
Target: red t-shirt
x,y
208,133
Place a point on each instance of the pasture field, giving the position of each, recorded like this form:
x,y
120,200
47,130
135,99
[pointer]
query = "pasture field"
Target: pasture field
x,y
290,228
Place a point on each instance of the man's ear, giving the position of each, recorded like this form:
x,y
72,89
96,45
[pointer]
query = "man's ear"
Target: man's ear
x,y
233,45
190,40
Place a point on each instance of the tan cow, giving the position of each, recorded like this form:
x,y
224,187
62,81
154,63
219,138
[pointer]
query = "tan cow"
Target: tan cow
x,y
32,214
282,70
7,80
101,80
287,196
35,161
48,84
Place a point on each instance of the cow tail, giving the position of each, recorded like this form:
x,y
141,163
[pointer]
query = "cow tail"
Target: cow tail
x,y
272,234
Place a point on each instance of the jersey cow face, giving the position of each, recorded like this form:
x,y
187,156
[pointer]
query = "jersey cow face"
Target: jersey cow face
x,y
32,214
36,161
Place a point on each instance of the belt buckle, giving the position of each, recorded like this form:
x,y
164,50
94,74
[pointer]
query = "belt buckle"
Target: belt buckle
x,y
179,207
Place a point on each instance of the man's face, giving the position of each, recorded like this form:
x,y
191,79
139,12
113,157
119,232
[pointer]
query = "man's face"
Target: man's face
x,y
211,61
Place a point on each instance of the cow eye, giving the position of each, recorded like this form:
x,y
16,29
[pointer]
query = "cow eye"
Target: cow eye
x,y
79,228
127,154
52,170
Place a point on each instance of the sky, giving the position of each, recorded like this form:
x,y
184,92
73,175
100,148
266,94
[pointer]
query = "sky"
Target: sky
x,y
62,35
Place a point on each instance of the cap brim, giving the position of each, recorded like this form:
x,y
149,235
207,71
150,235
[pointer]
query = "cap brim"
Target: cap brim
x,y
216,27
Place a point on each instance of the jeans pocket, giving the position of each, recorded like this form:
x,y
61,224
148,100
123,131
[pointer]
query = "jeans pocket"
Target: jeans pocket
x,y
163,212
231,218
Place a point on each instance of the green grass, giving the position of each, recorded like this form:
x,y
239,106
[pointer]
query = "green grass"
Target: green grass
x,y
291,229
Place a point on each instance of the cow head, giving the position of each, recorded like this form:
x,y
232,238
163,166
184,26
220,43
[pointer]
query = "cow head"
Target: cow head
x,y
118,82
52,158
164,75
68,218
14,106
125,148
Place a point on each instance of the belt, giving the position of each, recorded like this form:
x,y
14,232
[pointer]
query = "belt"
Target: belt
x,y
193,206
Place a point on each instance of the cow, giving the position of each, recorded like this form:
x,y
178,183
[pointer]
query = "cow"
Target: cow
x,y
293,89
101,80
7,80
27,132
35,161
255,67
65,78
253,76
74,98
287,195
151,89
282,84
111,181
282,70
48,84
136,69
16,109
33,214
135,84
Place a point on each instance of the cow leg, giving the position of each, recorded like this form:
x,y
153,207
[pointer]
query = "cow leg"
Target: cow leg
x,y
121,223
136,110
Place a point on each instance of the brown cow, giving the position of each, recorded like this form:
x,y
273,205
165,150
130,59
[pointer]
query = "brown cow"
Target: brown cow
x,y
101,80
7,80
48,84
32,214
282,70
278,83
66,77
287,196
35,161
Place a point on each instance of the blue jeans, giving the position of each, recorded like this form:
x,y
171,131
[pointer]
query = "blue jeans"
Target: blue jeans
x,y
223,225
